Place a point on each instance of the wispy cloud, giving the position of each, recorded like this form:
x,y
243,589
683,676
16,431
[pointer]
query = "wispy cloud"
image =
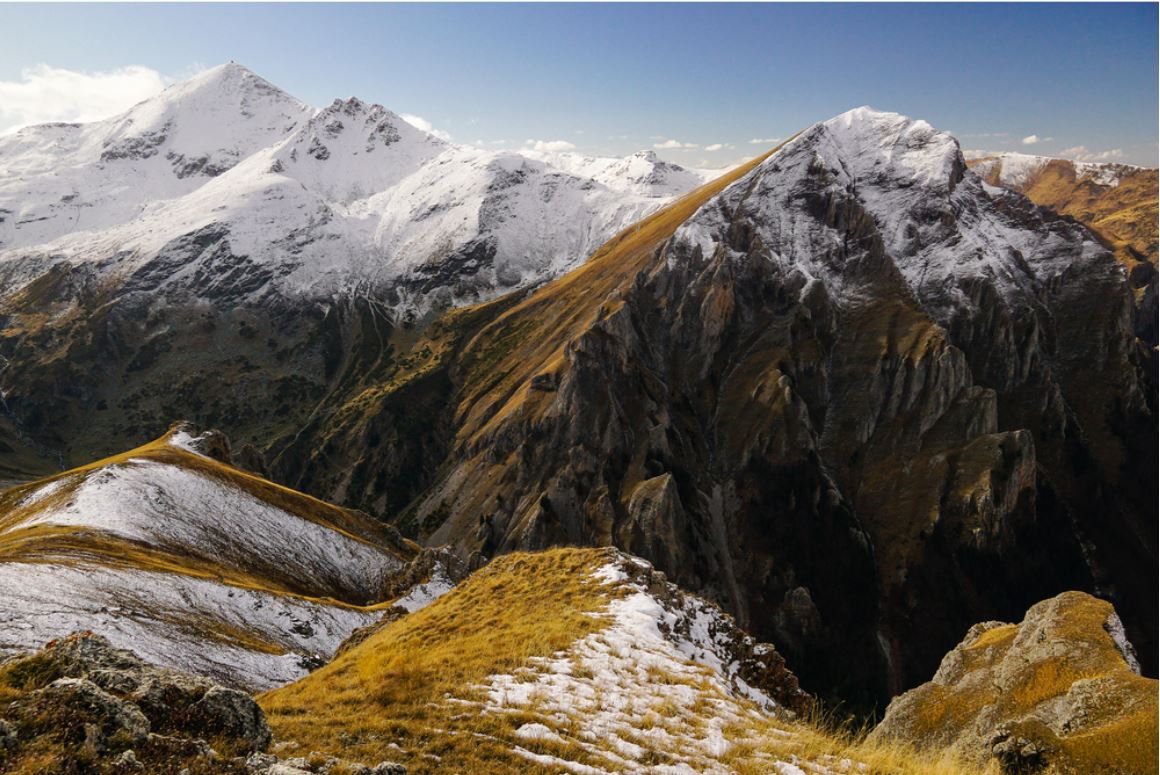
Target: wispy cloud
x,y
675,145
765,140
718,146
550,145
46,93
423,124
1081,153
1035,140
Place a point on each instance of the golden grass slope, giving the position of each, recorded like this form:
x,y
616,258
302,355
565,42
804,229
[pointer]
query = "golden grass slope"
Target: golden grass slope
x,y
48,543
428,691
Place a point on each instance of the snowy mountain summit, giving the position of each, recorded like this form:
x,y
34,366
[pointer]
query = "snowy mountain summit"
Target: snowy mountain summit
x,y
226,175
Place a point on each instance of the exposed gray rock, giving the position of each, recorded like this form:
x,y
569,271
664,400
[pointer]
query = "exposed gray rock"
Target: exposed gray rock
x,y
234,714
8,740
99,701
104,718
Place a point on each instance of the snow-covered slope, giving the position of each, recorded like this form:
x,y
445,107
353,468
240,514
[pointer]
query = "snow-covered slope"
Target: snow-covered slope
x,y
640,173
305,202
58,179
194,564
934,215
1017,170
594,663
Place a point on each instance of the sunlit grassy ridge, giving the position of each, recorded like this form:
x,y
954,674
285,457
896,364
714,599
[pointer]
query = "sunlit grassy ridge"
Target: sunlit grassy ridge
x,y
394,687
417,691
80,544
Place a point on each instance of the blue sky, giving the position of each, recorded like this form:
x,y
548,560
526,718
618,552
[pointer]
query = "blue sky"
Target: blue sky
x,y
616,78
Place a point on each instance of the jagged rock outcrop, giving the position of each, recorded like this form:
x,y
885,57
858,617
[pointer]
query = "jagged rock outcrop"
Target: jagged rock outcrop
x,y
1058,693
90,705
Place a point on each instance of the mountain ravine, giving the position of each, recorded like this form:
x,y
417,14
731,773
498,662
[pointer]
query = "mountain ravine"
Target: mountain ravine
x,y
849,391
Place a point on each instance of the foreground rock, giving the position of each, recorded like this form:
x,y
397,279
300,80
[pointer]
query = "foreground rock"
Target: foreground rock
x,y
84,704
1060,692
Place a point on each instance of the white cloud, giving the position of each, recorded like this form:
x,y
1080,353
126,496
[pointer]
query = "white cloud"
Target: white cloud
x,y
423,124
675,145
550,145
718,146
765,140
1033,139
1081,153
45,94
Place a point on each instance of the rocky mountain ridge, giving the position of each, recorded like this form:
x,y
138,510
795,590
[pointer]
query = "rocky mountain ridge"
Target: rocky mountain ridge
x,y
853,343
304,202
845,387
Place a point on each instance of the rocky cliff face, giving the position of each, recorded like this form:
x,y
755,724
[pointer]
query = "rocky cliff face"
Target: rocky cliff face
x,y
851,392
1059,692
1118,202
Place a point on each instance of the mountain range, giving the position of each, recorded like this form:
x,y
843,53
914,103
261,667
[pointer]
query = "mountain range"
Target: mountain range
x,y
808,420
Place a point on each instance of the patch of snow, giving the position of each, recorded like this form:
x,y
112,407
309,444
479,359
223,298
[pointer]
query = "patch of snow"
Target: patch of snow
x,y
1115,628
537,732
44,491
182,510
422,595
638,685
173,620
553,762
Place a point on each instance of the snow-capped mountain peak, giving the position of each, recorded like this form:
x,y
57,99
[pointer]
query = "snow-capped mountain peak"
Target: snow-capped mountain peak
x,y
227,112
311,202
873,144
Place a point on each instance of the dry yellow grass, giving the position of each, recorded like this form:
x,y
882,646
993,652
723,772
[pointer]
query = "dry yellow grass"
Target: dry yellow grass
x,y
1117,731
412,692
394,688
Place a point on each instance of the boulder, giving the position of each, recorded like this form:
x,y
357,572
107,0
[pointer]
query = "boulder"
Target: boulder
x,y
96,701
234,714
80,712
1061,692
